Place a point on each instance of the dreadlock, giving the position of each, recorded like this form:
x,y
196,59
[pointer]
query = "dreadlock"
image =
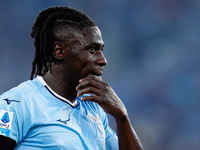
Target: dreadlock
x,y
48,21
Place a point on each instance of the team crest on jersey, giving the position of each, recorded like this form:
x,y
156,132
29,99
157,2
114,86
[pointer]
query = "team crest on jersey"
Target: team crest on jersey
x,y
6,118
97,122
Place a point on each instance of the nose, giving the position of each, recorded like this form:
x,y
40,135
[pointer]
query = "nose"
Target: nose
x,y
101,59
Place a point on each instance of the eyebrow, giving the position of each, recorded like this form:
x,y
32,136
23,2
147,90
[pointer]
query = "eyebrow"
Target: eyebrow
x,y
95,44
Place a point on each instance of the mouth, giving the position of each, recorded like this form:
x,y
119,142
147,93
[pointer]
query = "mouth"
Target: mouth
x,y
97,76
97,73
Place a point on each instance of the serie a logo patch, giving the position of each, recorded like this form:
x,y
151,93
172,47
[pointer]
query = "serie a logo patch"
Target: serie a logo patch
x,y
6,118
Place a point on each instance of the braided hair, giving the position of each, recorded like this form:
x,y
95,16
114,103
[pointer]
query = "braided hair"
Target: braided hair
x,y
44,28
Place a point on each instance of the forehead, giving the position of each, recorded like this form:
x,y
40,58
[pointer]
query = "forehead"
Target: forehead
x,y
93,35
85,36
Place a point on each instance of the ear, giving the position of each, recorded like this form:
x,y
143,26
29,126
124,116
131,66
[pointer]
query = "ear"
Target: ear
x,y
58,51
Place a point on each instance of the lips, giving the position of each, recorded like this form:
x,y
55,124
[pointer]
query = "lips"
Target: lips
x,y
97,72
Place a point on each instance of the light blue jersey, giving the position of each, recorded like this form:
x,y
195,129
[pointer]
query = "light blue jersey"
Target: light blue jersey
x,y
37,118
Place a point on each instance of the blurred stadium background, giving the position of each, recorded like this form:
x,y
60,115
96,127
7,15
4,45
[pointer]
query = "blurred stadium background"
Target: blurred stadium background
x,y
152,48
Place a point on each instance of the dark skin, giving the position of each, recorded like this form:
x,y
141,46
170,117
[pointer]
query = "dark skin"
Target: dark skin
x,y
78,71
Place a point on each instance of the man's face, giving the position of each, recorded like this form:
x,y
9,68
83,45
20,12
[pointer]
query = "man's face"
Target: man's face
x,y
84,57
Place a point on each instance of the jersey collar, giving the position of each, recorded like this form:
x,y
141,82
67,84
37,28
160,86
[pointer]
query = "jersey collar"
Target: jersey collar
x,y
74,104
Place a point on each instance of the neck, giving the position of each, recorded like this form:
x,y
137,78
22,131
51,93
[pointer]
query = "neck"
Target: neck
x,y
59,85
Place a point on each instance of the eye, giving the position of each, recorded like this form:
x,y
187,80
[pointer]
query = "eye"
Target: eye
x,y
92,49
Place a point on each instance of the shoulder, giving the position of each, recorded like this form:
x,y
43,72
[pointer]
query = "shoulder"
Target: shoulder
x,y
20,92
92,107
89,104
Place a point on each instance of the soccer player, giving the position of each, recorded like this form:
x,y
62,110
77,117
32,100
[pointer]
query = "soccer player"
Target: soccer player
x,y
64,104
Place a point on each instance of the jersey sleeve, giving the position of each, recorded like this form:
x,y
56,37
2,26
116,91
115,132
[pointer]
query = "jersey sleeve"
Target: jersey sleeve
x,y
11,115
111,137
